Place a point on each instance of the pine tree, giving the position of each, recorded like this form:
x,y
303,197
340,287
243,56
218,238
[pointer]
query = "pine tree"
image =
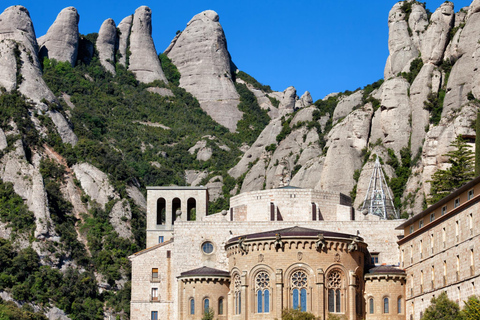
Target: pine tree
x,y
442,308
471,311
459,173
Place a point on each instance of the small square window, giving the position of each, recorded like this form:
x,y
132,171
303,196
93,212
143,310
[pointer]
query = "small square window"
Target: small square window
x,y
420,224
374,258
444,210
154,294
432,216
470,194
456,202
160,239
154,315
154,273
411,228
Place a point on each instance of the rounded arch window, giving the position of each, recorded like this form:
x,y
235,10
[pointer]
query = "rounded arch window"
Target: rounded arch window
x,y
299,281
262,291
335,287
207,247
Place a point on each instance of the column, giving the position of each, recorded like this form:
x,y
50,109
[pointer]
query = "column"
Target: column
x,y
320,303
278,303
244,291
351,295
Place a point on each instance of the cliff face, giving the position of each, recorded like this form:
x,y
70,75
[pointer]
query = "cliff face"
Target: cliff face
x,y
201,56
112,132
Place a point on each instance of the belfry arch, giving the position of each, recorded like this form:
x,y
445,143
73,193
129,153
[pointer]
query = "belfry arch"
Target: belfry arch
x,y
191,209
176,205
161,210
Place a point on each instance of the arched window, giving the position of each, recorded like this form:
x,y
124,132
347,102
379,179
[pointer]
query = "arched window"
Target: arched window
x,y
176,206
161,204
191,209
399,305
220,306
262,283
385,305
206,305
299,283
192,306
334,286
237,295
371,308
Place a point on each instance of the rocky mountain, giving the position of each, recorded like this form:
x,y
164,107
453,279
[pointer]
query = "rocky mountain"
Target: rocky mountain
x,y
88,121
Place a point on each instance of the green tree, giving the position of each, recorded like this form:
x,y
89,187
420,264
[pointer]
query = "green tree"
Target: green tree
x,y
471,311
442,308
296,314
208,314
459,173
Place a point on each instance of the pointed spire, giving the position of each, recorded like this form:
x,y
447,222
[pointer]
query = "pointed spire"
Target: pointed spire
x,y
378,199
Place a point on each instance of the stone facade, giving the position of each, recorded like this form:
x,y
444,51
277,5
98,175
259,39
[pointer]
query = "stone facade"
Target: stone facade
x,y
440,250
184,251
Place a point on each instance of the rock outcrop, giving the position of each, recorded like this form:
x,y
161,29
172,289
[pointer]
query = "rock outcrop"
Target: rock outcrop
x,y
287,104
18,42
28,183
346,105
143,60
94,182
201,56
400,44
107,43
125,26
437,35
61,40
120,217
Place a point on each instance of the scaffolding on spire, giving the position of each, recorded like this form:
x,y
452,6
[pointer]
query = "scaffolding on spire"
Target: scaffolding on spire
x,y
378,200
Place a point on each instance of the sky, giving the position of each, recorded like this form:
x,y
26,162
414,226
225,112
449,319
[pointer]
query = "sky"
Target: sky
x,y
322,46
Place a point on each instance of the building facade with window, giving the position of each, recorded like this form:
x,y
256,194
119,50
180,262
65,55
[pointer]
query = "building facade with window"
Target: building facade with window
x,y
440,250
273,249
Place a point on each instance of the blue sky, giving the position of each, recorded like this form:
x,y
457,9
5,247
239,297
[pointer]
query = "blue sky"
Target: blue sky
x,y
322,46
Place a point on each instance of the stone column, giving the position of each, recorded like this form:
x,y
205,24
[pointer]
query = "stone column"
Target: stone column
x,y
168,213
351,295
244,291
278,303
320,305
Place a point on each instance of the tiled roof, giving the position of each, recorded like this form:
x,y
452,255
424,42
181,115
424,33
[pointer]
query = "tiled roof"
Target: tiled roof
x,y
205,271
292,232
386,270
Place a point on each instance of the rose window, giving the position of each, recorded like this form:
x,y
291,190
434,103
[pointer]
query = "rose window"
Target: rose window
x,y
334,280
262,280
299,279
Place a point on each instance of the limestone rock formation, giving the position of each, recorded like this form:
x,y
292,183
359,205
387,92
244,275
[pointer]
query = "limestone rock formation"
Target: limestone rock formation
x,y
421,87
94,182
137,196
460,81
287,104
401,46
266,138
120,217
201,56
345,141
346,105
61,40
107,42
304,101
391,123
28,183
417,22
437,35
3,140
143,61
17,35
124,27
214,187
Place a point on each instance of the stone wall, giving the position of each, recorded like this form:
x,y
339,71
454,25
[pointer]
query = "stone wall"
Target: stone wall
x,y
380,287
292,204
443,256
